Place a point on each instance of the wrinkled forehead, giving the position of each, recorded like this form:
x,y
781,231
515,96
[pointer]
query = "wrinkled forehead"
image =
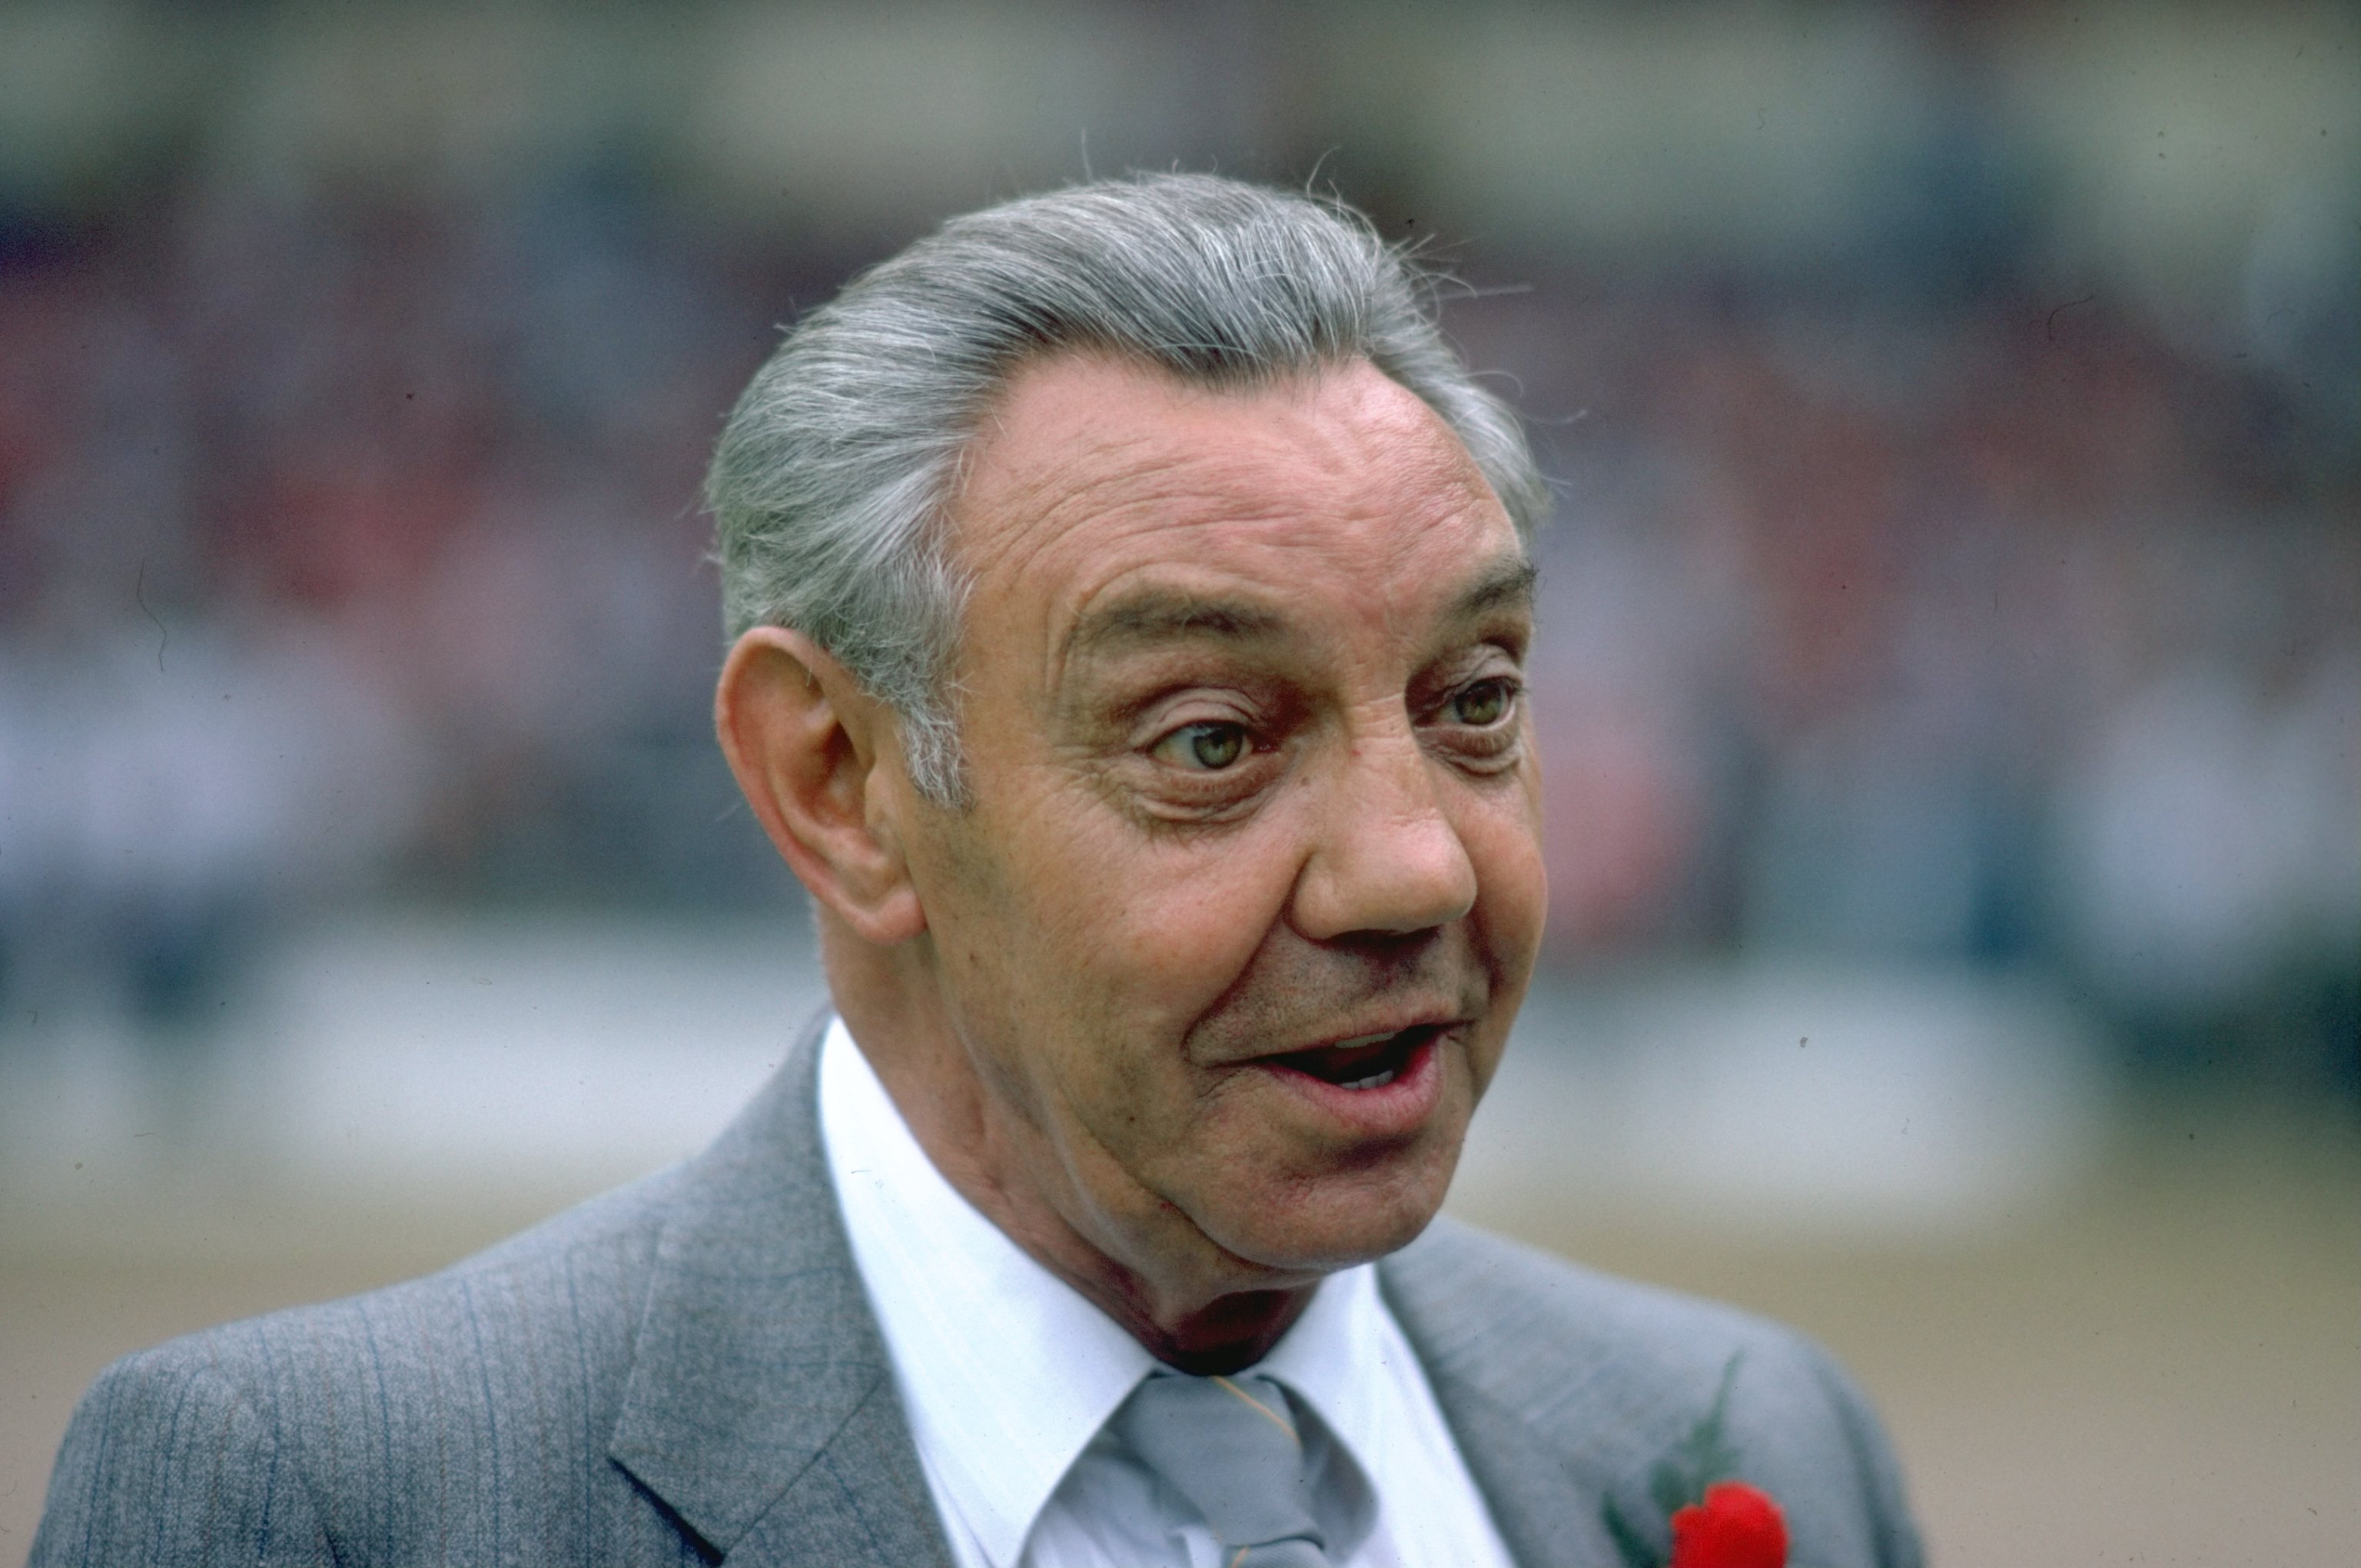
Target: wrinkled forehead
x,y
1105,501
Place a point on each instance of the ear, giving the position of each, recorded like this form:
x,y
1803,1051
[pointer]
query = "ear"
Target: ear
x,y
806,742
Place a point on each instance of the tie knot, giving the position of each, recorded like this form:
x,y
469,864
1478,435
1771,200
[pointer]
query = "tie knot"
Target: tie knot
x,y
1231,1446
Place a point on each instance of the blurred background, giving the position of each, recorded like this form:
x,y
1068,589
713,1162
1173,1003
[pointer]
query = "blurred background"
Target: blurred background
x,y
1950,677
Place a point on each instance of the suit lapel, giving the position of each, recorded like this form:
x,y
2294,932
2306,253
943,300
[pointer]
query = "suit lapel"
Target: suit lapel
x,y
761,1407
1543,1446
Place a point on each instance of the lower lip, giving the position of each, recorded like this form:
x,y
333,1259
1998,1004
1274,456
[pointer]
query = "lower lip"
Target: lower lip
x,y
1392,1110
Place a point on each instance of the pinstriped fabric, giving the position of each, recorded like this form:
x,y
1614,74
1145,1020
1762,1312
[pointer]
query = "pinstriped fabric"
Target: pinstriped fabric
x,y
186,1470
408,1426
686,1371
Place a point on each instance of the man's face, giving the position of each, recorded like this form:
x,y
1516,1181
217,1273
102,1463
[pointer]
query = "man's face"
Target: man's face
x,y
1249,886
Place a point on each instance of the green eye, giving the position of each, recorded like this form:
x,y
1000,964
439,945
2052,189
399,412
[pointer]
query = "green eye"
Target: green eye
x,y
1484,704
1211,747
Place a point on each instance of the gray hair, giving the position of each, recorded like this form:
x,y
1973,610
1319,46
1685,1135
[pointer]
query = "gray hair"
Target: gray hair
x,y
833,475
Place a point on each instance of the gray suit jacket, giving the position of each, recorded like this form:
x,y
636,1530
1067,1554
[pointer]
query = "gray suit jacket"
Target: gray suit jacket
x,y
686,1371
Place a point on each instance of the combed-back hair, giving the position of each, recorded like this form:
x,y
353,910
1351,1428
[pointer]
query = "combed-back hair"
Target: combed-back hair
x,y
833,474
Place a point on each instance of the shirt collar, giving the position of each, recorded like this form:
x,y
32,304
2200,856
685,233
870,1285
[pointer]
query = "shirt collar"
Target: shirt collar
x,y
1326,1356
1007,1372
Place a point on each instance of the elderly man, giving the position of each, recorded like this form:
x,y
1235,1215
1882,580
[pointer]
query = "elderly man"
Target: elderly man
x,y
1131,603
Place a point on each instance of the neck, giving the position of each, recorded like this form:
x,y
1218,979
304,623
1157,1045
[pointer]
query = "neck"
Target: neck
x,y
1232,1332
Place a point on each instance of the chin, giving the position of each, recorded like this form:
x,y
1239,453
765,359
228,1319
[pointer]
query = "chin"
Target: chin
x,y
1319,1224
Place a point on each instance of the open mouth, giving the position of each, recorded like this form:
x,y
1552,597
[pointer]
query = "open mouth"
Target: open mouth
x,y
1370,1061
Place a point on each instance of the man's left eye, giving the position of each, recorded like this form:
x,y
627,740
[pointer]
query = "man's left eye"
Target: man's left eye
x,y
1484,704
1203,747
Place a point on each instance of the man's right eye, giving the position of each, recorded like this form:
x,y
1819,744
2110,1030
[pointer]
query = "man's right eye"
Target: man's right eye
x,y
1202,748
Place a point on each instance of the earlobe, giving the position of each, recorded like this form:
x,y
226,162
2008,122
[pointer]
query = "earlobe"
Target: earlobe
x,y
817,759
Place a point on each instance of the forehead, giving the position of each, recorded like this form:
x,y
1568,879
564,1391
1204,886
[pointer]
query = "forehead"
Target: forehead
x,y
1098,485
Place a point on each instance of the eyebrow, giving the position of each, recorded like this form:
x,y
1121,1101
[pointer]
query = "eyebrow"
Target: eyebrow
x,y
1508,583
1162,615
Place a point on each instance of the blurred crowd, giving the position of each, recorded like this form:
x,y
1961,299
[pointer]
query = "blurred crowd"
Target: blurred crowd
x,y
347,545
349,549
2003,633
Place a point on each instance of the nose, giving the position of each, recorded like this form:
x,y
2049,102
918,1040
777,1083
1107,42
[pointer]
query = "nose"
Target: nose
x,y
1385,859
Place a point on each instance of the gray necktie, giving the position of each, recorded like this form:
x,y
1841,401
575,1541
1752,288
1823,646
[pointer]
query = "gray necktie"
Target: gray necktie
x,y
1229,1445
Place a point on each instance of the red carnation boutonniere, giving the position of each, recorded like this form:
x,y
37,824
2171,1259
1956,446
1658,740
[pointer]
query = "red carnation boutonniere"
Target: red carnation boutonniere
x,y
1736,1526
1712,1520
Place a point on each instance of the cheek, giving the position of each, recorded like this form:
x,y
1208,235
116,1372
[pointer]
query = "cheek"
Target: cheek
x,y
1106,957
1163,926
1503,839
1103,934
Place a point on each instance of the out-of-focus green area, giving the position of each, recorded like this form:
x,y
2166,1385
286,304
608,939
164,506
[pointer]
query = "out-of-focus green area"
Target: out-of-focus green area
x,y
1950,685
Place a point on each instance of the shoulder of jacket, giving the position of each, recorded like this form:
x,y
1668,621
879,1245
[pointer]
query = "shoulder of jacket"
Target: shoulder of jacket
x,y
1537,1333
1492,1287
588,1266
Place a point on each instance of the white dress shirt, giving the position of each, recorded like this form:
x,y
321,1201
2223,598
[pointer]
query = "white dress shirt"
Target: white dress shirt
x,y
1008,1375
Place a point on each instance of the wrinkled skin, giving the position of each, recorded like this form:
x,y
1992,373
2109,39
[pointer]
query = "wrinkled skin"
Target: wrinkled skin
x,y
1253,818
